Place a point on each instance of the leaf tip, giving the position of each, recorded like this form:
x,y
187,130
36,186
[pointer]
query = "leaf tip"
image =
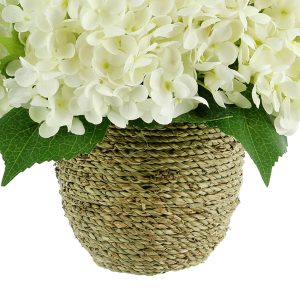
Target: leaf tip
x,y
5,182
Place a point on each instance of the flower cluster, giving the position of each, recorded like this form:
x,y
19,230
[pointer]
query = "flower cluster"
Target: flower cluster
x,y
130,59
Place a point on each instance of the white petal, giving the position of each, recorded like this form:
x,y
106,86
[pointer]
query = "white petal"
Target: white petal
x,y
190,39
12,14
207,66
46,131
93,117
47,88
239,100
89,20
38,114
139,93
161,8
26,77
184,107
291,89
201,100
129,111
255,97
220,98
77,127
117,119
185,86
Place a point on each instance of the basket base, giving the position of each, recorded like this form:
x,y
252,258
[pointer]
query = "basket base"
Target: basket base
x,y
152,201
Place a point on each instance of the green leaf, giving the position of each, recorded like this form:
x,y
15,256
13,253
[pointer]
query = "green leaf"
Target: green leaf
x,y
203,114
22,147
14,48
255,130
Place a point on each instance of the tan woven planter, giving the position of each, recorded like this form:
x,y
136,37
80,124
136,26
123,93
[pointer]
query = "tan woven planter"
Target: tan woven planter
x,y
152,201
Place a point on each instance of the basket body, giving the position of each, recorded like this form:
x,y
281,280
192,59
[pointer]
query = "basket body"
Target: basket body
x,y
151,201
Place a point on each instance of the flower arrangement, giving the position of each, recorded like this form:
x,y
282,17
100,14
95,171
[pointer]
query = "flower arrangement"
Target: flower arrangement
x,y
71,67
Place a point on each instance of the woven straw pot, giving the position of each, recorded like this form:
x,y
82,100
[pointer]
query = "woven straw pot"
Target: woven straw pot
x,y
151,201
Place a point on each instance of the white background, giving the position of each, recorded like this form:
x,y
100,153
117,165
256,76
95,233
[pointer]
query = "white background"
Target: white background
x,y
259,260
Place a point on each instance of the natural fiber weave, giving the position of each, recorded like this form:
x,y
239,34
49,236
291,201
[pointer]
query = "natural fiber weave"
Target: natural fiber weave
x,y
152,201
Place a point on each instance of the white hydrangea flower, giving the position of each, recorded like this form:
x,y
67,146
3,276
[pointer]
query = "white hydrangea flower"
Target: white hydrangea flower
x,y
130,59
285,13
102,13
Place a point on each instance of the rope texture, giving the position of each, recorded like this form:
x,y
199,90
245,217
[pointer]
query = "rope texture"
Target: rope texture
x,y
151,201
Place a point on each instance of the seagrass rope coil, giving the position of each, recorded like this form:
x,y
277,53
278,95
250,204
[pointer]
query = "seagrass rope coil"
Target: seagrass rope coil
x,y
151,201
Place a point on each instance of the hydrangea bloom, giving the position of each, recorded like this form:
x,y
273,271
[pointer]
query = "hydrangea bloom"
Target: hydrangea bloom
x,y
130,59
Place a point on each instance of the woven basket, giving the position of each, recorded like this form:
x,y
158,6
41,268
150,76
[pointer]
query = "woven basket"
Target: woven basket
x,y
152,201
